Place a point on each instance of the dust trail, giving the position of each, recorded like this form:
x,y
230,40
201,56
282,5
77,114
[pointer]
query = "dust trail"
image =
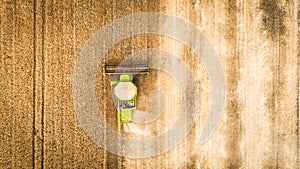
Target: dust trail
x,y
159,82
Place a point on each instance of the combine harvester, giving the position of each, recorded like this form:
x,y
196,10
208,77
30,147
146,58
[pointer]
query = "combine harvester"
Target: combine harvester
x,y
124,89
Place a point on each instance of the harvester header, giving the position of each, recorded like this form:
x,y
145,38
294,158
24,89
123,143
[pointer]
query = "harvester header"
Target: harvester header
x,y
126,69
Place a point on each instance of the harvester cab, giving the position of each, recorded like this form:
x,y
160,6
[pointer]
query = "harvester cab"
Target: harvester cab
x,y
124,89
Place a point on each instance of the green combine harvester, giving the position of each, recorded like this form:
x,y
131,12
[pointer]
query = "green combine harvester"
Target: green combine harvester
x,y
124,89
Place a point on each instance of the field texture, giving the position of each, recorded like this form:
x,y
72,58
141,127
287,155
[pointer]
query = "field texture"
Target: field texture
x,y
257,42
